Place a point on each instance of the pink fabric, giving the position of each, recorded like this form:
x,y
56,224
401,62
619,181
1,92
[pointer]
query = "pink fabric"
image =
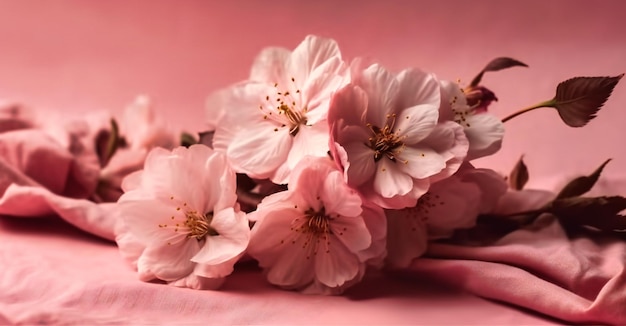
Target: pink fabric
x,y
54,274
582,281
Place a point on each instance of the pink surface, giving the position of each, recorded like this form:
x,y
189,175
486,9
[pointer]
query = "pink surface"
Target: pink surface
x,y
78,56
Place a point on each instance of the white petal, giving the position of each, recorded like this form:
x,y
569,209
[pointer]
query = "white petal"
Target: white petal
x,y
420,162
310,54
310,140
417,88
382,90
259,152
389,181
484,132
416,123
168,262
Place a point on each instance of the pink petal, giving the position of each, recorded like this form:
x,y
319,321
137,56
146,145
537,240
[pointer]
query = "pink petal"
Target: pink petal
x,y
233,238
151,221
416,123
193,281
452,204
362,165
260,151
382,91
293,267
335,265
270,65
348,104
484,133
216,271
417,88
351,232
492,186
338,198
376,223
310,141
390,181
168,262
310,54
420,162
407,237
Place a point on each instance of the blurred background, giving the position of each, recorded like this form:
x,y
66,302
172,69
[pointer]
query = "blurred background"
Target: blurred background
x,y
85,55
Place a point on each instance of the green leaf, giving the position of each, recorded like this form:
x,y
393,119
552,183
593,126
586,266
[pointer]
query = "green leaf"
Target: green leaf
x,y
600,212
519,175
579,99
495,65
582,184
187,139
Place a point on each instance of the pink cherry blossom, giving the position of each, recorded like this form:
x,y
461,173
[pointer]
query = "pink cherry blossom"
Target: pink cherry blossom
x,y
143,128
317,236
483,130
450,204
179,215
385,135
270,122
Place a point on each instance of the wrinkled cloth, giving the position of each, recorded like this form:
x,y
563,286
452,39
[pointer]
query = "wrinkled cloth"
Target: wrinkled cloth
x,y
53,274
581,280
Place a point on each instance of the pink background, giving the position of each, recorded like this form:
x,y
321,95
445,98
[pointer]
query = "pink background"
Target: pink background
x,y
84,55
78,56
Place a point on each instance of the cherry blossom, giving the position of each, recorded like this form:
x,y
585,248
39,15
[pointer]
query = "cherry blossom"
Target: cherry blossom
x,y
385,135
317,236
268,123
450,204
179,215
483,130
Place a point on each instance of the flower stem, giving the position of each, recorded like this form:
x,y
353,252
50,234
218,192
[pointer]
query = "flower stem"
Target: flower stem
x,y
544,104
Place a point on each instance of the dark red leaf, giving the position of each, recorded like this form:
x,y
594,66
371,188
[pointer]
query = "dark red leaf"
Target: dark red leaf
x,y
519,175
495,65
578,99
582,184
600,212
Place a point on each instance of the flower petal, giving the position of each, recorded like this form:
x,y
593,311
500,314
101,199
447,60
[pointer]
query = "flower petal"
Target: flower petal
x,y
362,165
416,123
420,162
417,88
233,238
168,262
382,92
310,54
336,265
390,181
270,65
338,198
484,133
407,237
259,152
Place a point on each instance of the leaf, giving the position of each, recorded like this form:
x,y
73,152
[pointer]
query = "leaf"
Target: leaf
x,y
582,184
107,143
579,99
187,139
495,65
519,175
600,212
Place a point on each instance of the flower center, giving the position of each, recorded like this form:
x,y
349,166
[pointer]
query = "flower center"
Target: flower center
x,y
385,141
284,109
317,222
199,225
